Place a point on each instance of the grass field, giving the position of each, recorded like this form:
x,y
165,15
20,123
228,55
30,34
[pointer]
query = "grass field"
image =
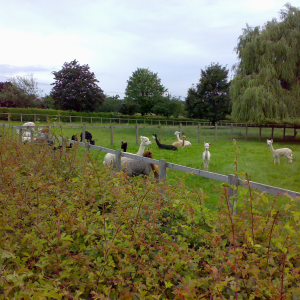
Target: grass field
x,y
253,156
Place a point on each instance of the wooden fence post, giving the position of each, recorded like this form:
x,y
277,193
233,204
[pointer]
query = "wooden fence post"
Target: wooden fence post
x,y
91,120
259,133
272,133
180,130
34,117
216,129
80,119
21,117
137,134
83,132
31,135
20,134
159,132
199,130
162,170
118,160
231,131
246,133
233,181
284,131
70,119
111,134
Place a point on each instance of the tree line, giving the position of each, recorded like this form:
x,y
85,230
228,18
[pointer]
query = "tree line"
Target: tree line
x,y
265,86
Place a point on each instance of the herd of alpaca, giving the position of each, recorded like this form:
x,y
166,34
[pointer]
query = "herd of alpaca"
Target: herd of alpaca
x,y
134,167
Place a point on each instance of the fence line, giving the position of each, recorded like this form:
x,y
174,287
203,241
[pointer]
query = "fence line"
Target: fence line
x,y
231,179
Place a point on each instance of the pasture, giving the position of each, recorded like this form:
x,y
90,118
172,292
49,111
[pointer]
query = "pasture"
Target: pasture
x,y
252,156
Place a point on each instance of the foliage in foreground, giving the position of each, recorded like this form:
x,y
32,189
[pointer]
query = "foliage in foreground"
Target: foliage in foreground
x,y
75,230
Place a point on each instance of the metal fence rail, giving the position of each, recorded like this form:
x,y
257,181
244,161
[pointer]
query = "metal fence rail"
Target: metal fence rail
x,y
231,179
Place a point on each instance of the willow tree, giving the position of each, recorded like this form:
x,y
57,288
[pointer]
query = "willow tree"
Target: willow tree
x,y
266,87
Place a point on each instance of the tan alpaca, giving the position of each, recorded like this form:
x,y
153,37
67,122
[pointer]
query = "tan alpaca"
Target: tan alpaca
x,y
181,143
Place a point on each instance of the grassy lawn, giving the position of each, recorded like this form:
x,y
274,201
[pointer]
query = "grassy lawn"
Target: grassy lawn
x,y
253,156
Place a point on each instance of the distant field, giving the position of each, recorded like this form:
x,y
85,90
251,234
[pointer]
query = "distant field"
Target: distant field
x,y
253,157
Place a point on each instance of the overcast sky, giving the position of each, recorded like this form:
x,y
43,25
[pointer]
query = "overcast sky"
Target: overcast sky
x,y
173,38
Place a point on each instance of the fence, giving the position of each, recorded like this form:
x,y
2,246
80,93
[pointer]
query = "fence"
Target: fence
x,y
44,117
198,128
231,179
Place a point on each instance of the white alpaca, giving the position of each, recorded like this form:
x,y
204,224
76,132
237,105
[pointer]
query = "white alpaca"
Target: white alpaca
x,y
26,136
280,152
186,143
109,158
206,156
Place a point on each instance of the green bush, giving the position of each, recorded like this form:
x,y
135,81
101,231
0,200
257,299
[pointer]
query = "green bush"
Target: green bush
x,y
72,229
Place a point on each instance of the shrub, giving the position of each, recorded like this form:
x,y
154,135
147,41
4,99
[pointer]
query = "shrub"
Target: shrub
x,y
72,229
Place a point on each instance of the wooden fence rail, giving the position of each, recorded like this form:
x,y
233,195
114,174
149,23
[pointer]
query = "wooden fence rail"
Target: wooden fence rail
x,y
231,179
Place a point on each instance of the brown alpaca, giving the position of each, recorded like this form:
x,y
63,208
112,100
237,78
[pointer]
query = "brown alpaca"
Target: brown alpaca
x,y
155,168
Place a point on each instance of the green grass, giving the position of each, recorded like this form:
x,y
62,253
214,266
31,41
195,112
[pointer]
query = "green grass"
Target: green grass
x,y
253,156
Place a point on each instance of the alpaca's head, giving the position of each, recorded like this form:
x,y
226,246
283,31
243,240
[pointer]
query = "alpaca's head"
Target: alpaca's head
x,y
177,132
154,136
124,146
92,142
206,145
269,142
148,154
74,137
184,137
145,141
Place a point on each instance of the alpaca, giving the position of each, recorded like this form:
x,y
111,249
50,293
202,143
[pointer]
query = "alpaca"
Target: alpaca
x,y
186,143
26,136
162,146
109,158
124,146
206,155
280,152
133,167
88,137
180,144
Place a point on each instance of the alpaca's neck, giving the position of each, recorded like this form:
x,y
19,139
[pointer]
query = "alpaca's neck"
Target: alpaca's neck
x,y
206,153
157,141
155,171
141,149
183,143
272,149
178,138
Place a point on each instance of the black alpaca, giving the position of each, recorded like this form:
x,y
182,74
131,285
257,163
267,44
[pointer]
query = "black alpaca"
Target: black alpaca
x,y
162,146
88,137
124,146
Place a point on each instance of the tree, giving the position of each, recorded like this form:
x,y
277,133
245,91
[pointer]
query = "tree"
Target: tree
x,y
76,88
111,104
266,87
144,88
20,91
168,106
210,99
